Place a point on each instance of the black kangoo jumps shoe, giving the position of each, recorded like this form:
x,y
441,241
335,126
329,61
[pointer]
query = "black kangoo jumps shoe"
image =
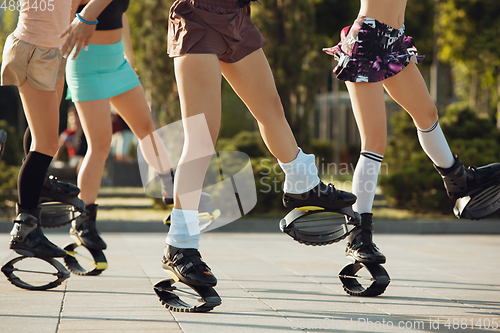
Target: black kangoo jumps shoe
x,y
322,197
28,239
460,181
188,266
84,232
360,245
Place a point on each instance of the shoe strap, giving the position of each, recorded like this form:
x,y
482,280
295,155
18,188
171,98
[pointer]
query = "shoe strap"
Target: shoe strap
x,y
187,260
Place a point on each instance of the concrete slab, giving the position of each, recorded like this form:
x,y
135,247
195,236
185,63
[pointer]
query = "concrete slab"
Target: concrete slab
x,y
269,283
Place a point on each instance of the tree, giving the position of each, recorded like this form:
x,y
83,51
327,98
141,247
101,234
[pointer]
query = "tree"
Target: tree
x,y
8,20
293,49
469,40
148,24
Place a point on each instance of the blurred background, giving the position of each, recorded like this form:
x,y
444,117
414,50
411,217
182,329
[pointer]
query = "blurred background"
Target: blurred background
x,y
460,41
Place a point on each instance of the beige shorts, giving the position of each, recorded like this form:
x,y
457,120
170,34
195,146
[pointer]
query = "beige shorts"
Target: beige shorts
x,y
43,67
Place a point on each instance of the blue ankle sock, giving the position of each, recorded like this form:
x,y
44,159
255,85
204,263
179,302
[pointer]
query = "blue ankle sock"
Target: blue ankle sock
x,y
184,229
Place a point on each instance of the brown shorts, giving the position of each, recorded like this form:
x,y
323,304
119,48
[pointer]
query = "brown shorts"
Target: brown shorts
x,y
218,27
43,67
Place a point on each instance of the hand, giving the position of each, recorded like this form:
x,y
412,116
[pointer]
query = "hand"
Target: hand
x,y
78,35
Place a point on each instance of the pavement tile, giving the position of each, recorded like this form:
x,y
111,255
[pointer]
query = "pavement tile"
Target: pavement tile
x,y
269,283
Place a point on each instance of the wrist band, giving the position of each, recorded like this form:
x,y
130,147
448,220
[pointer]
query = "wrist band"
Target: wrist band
x,y
85,21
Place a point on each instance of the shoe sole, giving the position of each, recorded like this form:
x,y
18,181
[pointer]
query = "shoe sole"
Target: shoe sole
x,y
28,253
365,261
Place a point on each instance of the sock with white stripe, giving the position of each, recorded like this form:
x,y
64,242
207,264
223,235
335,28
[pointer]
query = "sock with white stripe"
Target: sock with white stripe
x,y
364,181
435,145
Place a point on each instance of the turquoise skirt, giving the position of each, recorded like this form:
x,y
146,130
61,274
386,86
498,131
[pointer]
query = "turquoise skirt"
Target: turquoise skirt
x,y
99,73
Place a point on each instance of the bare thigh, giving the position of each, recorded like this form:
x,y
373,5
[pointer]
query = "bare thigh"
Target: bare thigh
x,y
368,105
409,90
42,113
133,108
253,81
198,79
95,117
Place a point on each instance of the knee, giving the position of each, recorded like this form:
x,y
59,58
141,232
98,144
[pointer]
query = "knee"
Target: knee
x,y
431,115
427,118
100,148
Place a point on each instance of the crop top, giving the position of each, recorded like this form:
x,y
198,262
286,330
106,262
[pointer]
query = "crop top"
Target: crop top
x,y
40,26
111,17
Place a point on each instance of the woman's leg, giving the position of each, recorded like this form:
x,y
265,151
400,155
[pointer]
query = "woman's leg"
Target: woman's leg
x,y
252,79
199,82
133,108
368,105
95,117
42,113
409,90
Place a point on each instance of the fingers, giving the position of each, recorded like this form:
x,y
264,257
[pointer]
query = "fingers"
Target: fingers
x,y
66,47
64,33
78,48
78,35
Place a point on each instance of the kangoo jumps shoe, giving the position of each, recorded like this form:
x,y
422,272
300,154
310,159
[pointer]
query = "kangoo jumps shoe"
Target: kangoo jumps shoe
x,y
360,245
322,197
27,237
460,182
84,232
188,266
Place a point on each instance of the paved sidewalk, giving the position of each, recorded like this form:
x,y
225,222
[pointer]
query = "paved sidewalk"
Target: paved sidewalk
x,y
270,283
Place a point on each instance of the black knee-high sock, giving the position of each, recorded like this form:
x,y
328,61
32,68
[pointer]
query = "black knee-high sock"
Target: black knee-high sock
x,y
27,140
31,178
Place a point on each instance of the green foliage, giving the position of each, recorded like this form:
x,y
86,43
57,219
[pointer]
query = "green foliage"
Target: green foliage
x,y
13,147
268,175
412,182
148,21
235,115
269,178
322,149
419,24
9,168
8,184
469,42
8,20
293,49
250,143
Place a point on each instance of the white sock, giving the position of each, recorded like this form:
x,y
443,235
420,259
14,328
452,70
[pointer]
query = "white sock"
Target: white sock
x,y
364,181
301,174
184,229
435,146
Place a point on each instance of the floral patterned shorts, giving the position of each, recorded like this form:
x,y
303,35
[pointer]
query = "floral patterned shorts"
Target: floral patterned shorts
x,y
371,51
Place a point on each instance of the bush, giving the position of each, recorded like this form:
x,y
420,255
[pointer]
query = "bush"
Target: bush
x,y
250,143
9,168
323,149
8,184
13,152
412,182
267,179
